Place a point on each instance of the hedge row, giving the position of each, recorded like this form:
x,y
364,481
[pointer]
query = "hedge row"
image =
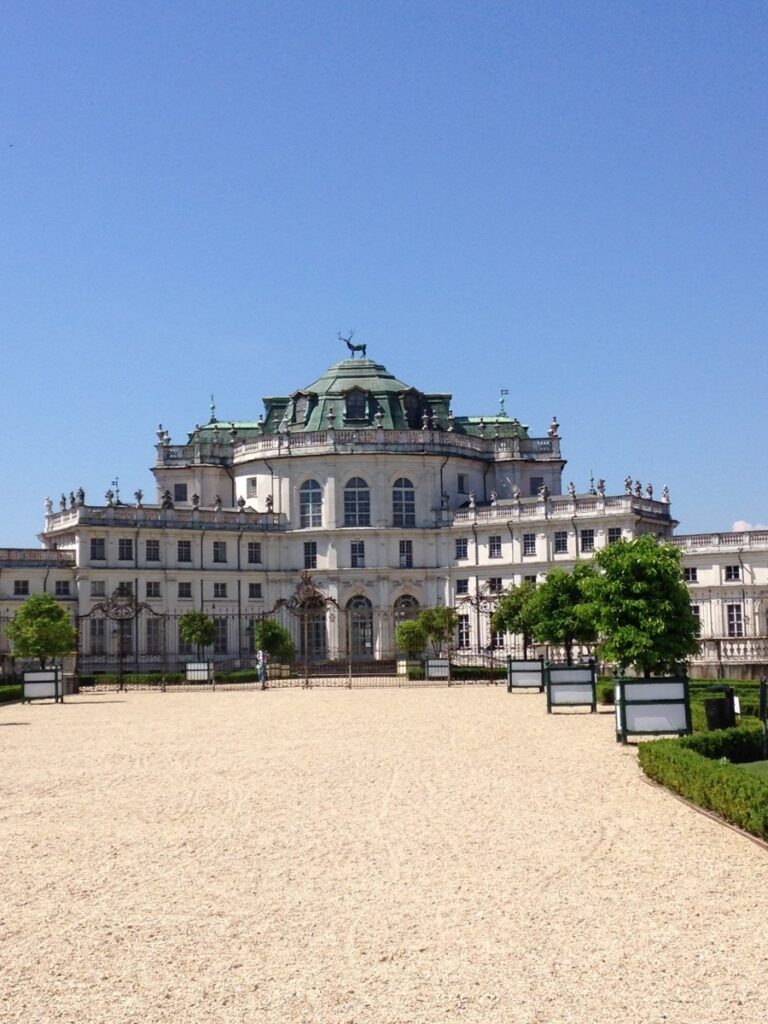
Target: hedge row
x,y
703,768
10,692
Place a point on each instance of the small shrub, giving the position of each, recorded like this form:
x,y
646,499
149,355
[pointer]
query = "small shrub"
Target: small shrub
x,y
704,768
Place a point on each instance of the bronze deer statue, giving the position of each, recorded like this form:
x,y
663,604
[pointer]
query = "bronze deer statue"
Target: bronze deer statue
x,y
353,348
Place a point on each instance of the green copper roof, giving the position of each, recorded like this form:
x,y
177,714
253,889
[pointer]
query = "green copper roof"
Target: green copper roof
x,y
351,373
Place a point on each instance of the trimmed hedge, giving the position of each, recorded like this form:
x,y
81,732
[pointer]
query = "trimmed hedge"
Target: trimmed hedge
x,y
704,769
11,691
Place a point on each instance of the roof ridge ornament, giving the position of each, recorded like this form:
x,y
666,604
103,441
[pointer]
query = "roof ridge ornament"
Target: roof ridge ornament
x,y
353,348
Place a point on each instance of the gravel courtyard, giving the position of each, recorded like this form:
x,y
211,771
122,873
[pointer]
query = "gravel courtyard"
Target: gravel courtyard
x,y
361,857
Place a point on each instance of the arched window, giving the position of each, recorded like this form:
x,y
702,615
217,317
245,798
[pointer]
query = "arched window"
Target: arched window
x,y
360,618
406,607
403,503
356,405
310,504
357,503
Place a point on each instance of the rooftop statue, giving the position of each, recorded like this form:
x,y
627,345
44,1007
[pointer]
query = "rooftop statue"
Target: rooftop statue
x,y
353,348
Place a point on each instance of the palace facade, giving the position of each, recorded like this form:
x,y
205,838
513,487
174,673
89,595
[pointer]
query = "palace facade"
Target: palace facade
x,y
367,499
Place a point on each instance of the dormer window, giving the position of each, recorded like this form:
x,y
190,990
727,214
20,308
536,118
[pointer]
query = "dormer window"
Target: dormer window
x,y
413,408
300,407
356,405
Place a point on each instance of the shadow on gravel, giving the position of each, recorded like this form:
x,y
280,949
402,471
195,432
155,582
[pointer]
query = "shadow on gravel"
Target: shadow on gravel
x,y
14,723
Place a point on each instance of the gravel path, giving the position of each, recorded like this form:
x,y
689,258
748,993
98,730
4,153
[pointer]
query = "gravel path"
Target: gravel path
x,y
360,857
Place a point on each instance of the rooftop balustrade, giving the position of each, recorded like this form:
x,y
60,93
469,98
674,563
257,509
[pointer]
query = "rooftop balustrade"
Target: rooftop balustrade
x,y
36,557
564,507
153,516
698,541
364,440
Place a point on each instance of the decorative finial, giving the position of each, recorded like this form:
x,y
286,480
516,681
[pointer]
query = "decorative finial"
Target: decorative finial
x,y
502,395
213,410
116,485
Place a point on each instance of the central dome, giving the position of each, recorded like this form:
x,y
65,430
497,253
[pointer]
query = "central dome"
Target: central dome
x,y
356,373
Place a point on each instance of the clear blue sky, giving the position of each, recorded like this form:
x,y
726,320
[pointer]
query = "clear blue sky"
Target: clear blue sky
x,y
565,199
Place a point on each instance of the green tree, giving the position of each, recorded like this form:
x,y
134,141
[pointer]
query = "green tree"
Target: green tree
x,y
561,611
439,625
270,636
642,606
197,628
513,613
410,638
41,628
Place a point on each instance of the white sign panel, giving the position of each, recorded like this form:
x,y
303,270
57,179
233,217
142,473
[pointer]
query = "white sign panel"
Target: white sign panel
x,y
562,694
198,671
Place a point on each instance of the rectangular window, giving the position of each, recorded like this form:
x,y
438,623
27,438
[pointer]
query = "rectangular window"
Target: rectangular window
x,y
494,546
735,620
124,640
732,574
61,588
97,634
219,551
98,549
124,589
220,643
219,589
357,548
462,546
462,486
587,540
185,646
529,543
535,484
254,591
179,492
125,549
614,534
98,588
184,550
530,579
254,552
250,486
153,588
310,554
185,590
154,635
691,574
406,554
462,586
20,588
462,639
494,584
561,542
153,550
696,611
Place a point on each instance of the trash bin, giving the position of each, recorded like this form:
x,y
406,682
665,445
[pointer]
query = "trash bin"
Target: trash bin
x,y
720,710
